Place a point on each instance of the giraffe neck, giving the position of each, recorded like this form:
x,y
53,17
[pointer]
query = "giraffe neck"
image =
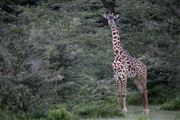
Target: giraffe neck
x,y
117,46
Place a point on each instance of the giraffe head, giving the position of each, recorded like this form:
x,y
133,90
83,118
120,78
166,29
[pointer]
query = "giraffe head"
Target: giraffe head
x,y
111,18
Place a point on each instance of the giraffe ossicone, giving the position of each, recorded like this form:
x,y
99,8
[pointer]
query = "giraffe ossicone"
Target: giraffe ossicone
x,y
125,66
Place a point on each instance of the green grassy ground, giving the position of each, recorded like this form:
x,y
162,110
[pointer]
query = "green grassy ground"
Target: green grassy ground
x,y
135,113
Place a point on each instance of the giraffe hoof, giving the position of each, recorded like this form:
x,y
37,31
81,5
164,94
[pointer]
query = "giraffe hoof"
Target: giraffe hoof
x,y
124,110
146,111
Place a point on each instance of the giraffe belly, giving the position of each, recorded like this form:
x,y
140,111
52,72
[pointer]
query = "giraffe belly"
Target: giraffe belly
x,y
131,73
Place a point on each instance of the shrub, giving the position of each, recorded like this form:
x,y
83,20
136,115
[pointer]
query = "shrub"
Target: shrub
x,y
61,113
21,2
103,109
134,98
159,94
172,105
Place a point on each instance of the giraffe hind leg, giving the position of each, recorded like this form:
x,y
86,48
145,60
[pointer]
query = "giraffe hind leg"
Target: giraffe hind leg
x,y
140,89
142,80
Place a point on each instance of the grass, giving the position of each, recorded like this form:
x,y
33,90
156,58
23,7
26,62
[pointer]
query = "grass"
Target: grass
x,y
135,113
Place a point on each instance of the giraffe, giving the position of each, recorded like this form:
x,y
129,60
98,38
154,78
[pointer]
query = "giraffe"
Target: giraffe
x,y
125,66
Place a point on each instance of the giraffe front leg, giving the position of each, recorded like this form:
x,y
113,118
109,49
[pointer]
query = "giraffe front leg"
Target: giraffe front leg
x,y
146,110
124,93
118,83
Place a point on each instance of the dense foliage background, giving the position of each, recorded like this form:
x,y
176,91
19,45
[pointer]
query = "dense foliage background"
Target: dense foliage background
x,y
55,56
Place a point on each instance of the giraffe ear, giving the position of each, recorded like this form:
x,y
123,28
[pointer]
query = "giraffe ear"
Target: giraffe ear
x,y
116,16
105,16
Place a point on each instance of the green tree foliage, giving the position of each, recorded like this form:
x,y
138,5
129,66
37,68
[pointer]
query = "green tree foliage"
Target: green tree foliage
x,y
60,52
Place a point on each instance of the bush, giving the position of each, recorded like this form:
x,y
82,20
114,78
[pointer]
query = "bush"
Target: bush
x,y
13,96
172,105
160,94
61,113
21,2
134,98
103,109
